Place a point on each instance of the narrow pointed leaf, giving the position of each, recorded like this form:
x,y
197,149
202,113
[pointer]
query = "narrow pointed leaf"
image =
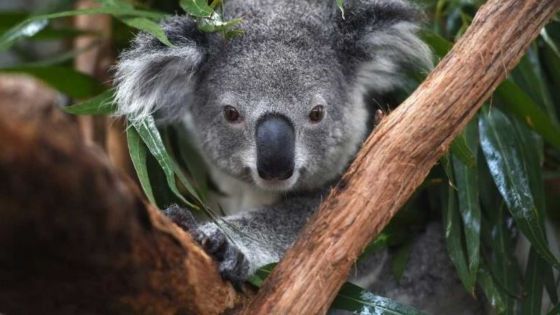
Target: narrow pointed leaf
x,y
461,150
340,4
33,25
500,147
533,285
453,233
150,135
66,80
491,290
148,26
466,182
198,8
137,150
355,299
102,104
517,102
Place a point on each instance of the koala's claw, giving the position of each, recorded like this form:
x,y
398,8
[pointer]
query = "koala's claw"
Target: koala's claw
x,y
232,263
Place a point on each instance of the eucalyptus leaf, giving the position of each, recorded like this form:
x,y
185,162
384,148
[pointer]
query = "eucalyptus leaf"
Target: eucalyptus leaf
x,y
355,299
340,4
150,135
491,290
466,183
64,79
529,75
198,8
102,104
138,150
533,285
148,26
500,147
33,25
453,234
517,102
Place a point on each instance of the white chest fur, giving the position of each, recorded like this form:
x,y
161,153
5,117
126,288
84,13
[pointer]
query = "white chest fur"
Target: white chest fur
x,y
238,196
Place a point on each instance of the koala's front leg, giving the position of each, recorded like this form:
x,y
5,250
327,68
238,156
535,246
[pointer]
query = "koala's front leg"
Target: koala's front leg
x,y
242,243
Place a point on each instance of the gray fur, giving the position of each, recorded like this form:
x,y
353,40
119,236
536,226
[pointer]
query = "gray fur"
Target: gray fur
x,y
294,55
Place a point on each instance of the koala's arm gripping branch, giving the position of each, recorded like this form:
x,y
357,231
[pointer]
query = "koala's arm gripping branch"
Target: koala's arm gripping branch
x,y
75,235
397,157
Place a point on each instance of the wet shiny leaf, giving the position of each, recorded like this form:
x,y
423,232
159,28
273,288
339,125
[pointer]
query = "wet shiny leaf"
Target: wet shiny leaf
x,y
504,159
355,299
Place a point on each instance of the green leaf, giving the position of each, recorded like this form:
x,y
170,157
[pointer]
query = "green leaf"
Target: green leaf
x,y
533,284
491,290
501,259
466,182
355,299
148,26
500,147
517,102
340,4
529,75
33,25
460,149
453,235
440,46
352,298
102,104
66,80
198,8
137,150
555,310
400,260
150,135
215,23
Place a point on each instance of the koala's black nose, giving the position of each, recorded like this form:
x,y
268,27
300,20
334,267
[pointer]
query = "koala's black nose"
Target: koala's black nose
x,y
275,139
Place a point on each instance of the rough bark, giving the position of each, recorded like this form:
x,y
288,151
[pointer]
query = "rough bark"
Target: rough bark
x,y
397,157
75,235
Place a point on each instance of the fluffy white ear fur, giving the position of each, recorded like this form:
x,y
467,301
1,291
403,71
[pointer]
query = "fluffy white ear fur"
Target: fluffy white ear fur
x,y
156,80
389,49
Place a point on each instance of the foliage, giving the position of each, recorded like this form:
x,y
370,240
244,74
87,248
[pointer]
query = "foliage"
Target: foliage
x,y
490,191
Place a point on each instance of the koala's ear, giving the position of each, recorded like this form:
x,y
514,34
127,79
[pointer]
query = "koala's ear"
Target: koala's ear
x,y
379,43
152,77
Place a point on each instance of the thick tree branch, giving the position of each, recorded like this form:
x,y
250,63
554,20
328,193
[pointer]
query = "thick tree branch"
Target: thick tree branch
x,y
75,235
397,157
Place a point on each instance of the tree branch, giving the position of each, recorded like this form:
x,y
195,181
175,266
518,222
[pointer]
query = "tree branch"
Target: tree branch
x,y
397,157
75,235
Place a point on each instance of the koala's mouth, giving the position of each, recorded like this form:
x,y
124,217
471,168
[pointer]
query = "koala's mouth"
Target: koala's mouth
x,y
275,184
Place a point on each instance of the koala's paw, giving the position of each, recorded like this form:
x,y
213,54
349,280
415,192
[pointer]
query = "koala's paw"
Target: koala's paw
x,y
184,219
233,264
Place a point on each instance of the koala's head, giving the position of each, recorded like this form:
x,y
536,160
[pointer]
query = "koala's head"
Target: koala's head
x,y
282,106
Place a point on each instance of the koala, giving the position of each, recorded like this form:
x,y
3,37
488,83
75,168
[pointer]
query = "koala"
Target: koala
x,y
277,115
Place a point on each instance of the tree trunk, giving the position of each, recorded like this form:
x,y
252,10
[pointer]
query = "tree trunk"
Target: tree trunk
x,y
75,235
397,157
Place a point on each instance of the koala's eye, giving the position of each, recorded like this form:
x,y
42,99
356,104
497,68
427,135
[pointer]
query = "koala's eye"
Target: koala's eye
x,y
231,114
317,114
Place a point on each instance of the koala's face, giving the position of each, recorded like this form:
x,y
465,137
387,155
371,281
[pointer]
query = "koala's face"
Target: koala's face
x,y
282,106
277,115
